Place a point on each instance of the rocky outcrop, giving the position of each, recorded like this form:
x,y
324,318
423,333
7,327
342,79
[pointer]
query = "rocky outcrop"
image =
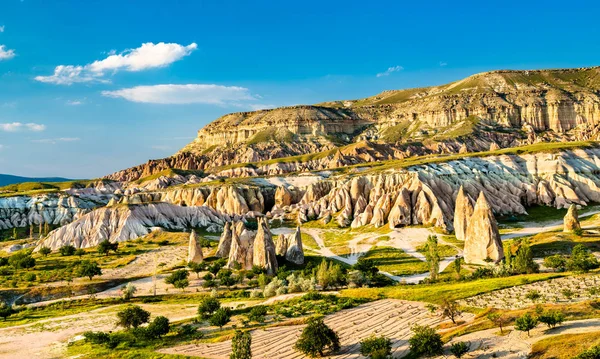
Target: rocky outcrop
x,y
126,222
482,243
571,220
194,249
290,247
463,210
225,241
264,249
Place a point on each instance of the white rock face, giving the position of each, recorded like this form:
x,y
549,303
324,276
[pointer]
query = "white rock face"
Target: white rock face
x,y
194,249
482,242
126,222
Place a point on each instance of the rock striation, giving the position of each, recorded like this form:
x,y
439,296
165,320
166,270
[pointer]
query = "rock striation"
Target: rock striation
x,y
571,220
483,243
194,249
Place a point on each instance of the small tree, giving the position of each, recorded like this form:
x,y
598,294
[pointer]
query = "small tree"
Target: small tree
x,y
525,323
106,246
257,314
88,269
45,251
80,252
499,320
582,260
67,250
552,318
158,327
432,255
132,316
5,311
457,267
317,338
558,262
425,341
21,260
523,261
241,345
221,317
208,306
459,349
450,309
179,279
376,347
128,291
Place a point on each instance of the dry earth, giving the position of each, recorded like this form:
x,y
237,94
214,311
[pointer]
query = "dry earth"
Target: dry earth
x,y
390,317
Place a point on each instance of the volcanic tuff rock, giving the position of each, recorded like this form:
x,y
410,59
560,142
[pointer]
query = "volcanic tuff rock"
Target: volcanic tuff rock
x,y
126,222
225,241
264,248
571,220
463,210
482,242
194,249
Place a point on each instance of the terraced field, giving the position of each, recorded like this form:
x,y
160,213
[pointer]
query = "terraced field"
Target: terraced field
x,y
391,318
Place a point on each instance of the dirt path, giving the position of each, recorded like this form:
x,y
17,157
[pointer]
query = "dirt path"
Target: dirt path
x,y
390,317
517,345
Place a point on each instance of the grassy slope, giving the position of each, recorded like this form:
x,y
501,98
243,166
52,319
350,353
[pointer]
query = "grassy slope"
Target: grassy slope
x,y
564,346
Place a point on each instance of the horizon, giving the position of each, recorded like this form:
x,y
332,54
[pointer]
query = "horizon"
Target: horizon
x,y
76,108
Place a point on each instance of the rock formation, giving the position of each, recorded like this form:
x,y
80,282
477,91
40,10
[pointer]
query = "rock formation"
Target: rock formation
x,y
482,243
194,249
571,220
463,210
264,248
290,247
225,242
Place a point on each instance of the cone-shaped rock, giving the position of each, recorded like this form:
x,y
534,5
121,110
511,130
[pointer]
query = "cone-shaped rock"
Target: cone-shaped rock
x,y
295,252
194,249
572,219
463,210
283,242
264,248
483,243
225,242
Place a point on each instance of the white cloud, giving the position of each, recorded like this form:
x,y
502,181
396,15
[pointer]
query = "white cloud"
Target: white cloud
x,y
2,28
6,54
17,126
390,70
74,102
53,141
183,94
145,57
161,147
443,64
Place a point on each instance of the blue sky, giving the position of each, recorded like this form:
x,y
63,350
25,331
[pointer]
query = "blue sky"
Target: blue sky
x,y
137,79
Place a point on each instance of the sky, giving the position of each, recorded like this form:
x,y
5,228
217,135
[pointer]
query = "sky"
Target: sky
x,y
91,87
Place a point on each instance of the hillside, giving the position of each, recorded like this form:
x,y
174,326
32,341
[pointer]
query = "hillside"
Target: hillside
x,y
10,179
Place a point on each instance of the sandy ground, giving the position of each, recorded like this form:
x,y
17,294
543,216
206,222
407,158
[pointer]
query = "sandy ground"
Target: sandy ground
x,y
407,239
517,345
390,317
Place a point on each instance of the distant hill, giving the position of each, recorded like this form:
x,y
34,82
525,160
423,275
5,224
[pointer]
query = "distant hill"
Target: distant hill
x,y
5,180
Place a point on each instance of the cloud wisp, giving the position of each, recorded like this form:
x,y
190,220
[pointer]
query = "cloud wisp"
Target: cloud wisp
x,y
18,126
6,53
2,28
145,57
54,141
390,70
183,94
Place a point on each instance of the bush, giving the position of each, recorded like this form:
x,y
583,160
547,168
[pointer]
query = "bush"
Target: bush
x,y
179,279
21,260
273,287
208,306
80,252
552,318
30,277
106,246
127,291
459,349
221,317
88,269
159,327
132,316
376,347
6,311
67,250
582,260
557,262
592,353
525,323
425,341
317,338
533,295
523,261
45,251
450,309
96,337
240,345
257,314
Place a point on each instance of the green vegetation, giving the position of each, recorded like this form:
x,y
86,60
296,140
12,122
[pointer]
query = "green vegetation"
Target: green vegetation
x,y
280,135
395,261
317,339
425,342
376,347
30,188
240,345
171,172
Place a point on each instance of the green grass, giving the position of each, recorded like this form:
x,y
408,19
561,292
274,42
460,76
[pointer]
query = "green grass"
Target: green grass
x,y
444,250
171,172
434,293
395,261
280,135
564,346
31,188
458,129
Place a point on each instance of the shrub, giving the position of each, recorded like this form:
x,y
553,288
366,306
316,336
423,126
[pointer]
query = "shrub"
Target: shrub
x,y
582,260
159,327
240,345
376,347
317,338
208,306
106,246
30,277
21,260
179,279
592,353
45,251
425,341
498,319
127,291
533,295
132,316
523,261
6,311
450,309
67,250
96,337
80,252
272,288
525,323
459,349
557,262
257,314
221,317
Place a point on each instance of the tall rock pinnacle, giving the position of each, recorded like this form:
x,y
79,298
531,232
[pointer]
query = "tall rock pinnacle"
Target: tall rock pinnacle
x,y
483,243
463,210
